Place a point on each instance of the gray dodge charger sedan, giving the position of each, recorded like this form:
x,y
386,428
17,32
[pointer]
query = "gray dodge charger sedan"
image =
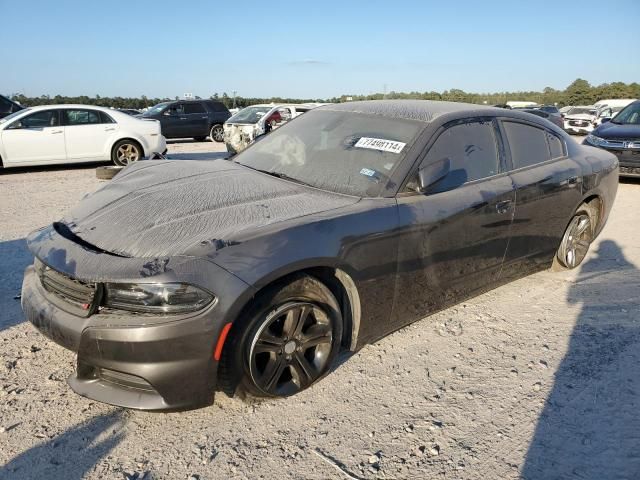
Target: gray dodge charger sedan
x,y
180,278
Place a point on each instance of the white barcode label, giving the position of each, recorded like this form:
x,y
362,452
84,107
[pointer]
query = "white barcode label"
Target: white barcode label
x,y
380,144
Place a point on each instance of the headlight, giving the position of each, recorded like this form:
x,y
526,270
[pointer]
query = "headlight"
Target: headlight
x,y
593,140
156,297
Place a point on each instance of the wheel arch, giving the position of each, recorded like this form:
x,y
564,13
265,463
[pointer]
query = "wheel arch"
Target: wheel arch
x,y
131,139
341,285
596,203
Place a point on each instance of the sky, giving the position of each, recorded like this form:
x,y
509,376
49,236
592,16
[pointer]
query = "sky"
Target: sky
x,y
312,50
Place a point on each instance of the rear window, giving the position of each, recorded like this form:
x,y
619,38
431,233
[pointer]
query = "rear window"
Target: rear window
x,y
530,145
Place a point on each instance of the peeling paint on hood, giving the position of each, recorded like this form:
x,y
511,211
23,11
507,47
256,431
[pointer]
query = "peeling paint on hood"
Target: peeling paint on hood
x,y
163,208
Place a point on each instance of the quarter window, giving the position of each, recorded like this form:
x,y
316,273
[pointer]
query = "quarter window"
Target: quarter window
x,y
555,146
471,149
104,118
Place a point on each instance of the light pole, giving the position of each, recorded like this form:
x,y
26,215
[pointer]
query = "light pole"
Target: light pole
x,y
234,99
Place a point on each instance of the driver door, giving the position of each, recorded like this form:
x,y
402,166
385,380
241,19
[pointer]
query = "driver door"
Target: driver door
x,y
38,137
173,121
453,238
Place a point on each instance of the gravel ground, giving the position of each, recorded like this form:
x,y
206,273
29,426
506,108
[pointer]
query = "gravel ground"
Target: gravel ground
x,y
537,379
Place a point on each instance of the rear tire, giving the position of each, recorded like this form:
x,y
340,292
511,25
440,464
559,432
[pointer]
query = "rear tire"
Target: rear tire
x,y
126,152
286,342
576,240
217,133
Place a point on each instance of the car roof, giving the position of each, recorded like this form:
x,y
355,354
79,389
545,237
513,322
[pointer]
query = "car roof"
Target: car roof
x,y
422,110
69,105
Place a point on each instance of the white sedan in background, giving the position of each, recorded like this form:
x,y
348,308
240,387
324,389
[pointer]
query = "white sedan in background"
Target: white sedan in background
x,y
54,134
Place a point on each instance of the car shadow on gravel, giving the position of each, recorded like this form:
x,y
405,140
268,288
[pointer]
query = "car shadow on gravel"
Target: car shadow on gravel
x,y
590,427
14,258
70,455
198,156
51,168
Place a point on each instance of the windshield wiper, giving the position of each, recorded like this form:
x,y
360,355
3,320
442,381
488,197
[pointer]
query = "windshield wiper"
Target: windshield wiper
x,y
281,175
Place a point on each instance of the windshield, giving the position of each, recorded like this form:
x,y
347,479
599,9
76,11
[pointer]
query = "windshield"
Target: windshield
x,y
249,115
630,115
14,115
579,110
156,109
342,152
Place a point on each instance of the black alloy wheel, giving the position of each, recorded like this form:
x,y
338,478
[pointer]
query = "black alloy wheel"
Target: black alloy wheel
x,y
291,349
285,342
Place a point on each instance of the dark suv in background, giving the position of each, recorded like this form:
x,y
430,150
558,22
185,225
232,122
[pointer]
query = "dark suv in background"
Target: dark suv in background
x,y
7,107
190,118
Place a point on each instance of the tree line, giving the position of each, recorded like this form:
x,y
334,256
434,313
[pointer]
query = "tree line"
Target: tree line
x,y
580,92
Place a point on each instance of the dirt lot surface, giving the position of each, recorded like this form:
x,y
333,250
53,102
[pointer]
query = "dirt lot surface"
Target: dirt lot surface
x,y
538,379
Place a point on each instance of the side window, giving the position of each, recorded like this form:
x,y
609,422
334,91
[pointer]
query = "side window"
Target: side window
x,y
82,117
528,144
177,109
46,118
194,107
472,150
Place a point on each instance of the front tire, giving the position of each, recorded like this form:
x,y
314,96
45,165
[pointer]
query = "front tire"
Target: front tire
x,y
217,133
125,152
286,342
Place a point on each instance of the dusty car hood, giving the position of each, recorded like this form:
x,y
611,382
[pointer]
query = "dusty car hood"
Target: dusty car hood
x,y
162,208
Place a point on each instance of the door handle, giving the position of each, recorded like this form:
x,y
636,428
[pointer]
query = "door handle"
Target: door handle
x,y
183,118
572,181
504,206
53,132
109,129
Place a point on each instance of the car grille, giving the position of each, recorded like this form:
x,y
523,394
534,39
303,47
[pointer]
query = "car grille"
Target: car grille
x,y
630,171
75,295
622,144
579,123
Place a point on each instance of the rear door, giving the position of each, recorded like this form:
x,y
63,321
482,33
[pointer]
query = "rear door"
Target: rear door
x,y
197,120
453,240
38,137
548,187
88,134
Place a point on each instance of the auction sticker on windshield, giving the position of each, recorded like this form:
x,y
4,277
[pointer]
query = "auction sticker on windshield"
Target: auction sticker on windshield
x,y
380,144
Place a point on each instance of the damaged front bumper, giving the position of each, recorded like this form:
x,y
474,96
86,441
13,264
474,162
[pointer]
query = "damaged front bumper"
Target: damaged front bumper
x,y
237,137
142,361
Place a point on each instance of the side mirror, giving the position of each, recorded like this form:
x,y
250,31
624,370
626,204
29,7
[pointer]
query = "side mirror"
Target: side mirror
x,y
431,174
605,119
